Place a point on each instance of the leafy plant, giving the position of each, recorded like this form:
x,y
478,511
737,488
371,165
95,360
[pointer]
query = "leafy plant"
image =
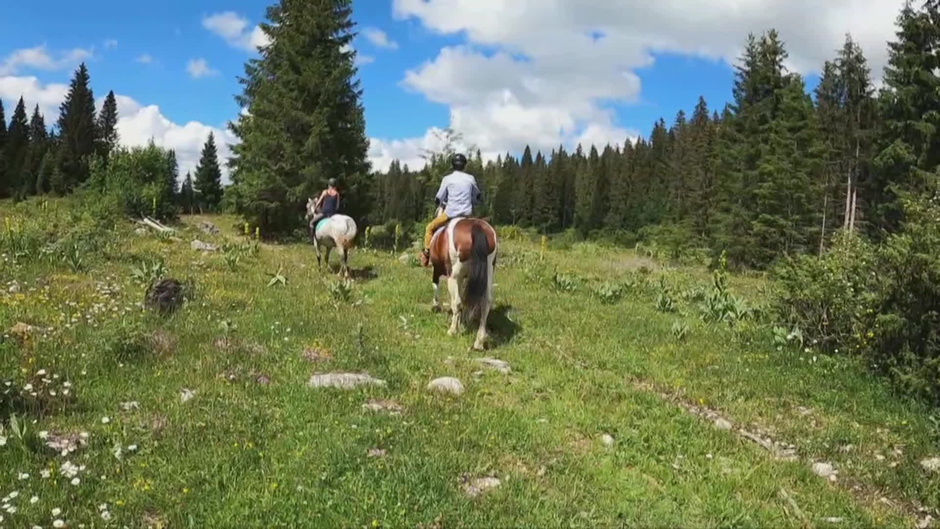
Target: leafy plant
x,y
564,283
665,302
341,290
278,277
609,292
148,272
680,330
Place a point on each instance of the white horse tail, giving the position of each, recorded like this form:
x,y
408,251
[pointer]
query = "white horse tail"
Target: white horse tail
x,y
347,236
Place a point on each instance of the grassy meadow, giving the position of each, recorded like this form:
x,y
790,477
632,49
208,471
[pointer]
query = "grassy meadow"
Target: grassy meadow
x,y
623,407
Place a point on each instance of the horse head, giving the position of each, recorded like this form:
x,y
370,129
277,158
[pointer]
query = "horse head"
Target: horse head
x,y
311,208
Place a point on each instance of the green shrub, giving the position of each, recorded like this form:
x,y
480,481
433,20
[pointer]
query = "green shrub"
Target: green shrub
x,y
139,181
882,303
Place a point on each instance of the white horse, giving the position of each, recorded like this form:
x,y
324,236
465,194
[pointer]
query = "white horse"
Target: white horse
x,y
337,231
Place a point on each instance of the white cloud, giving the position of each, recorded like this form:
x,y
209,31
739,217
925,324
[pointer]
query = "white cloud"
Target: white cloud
x,y
234,28
553,67
137,123
145,59
199,68
379,38
39,58
110,44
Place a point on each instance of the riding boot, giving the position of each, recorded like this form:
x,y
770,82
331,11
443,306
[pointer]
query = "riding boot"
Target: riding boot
x,y
425,258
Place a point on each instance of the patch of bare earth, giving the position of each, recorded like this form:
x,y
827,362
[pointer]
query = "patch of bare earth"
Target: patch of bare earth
x,y
784,451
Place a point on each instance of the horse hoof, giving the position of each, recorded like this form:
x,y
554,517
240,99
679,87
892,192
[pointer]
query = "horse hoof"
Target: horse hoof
x,y
436,309
452,332
478,347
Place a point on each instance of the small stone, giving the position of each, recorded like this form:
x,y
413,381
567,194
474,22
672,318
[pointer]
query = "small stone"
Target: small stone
x,y
187,395
208,227
607,440
376,452
317,355
446,385
925,522
478,486
832,519
824,470
203,246
723,424
388,406
343,380
931,464
495,364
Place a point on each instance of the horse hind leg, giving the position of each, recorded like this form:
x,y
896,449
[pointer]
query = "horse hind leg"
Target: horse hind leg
x,y
455,304
344,268
485,305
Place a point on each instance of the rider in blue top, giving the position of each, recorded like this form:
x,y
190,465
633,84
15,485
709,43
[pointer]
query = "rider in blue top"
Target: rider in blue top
x,y
327,205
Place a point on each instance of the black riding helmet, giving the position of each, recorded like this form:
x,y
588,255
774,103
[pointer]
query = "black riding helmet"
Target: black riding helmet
x,y
458,162
331,182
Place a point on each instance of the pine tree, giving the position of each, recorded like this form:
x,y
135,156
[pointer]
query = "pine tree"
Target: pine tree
x,y
907,151
681,163
522,210
107,126
44,175
78,132
38,145
16,152
700,180
621,190
3,143
586,187
831,114
208,179
306,121
188,194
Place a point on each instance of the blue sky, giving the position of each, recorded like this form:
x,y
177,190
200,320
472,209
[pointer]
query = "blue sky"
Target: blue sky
x,y
115,34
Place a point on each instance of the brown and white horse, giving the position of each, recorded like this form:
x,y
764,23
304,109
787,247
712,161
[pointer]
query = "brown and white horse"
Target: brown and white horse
x,y
464,251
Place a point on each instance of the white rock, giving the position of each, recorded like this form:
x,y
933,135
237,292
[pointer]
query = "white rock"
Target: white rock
x,y
824,470
832,519
446,385
607,440
931,464
204,246
343,380
493,363
723,424
388,406
480,485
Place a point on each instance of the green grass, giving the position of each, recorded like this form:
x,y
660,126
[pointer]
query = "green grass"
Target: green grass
x,y
242,453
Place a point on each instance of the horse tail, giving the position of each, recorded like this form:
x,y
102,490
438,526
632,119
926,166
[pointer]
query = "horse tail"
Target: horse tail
x,y
479,250
349,235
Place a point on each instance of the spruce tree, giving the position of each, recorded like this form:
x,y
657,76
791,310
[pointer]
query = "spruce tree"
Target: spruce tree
x,y
907,150
3,143
16,153
188,194
208,179
78,132
831,114
107,126
306,122
621,190
700,176
44,175
38,145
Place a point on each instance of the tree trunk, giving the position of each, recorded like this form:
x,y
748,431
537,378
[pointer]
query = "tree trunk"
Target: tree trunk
x,y
822,234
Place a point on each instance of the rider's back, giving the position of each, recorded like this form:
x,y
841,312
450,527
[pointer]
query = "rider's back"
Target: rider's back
x,y
459,193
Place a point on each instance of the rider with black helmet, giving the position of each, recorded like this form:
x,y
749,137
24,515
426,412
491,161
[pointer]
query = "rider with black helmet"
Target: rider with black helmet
x,y
457,196
327,205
